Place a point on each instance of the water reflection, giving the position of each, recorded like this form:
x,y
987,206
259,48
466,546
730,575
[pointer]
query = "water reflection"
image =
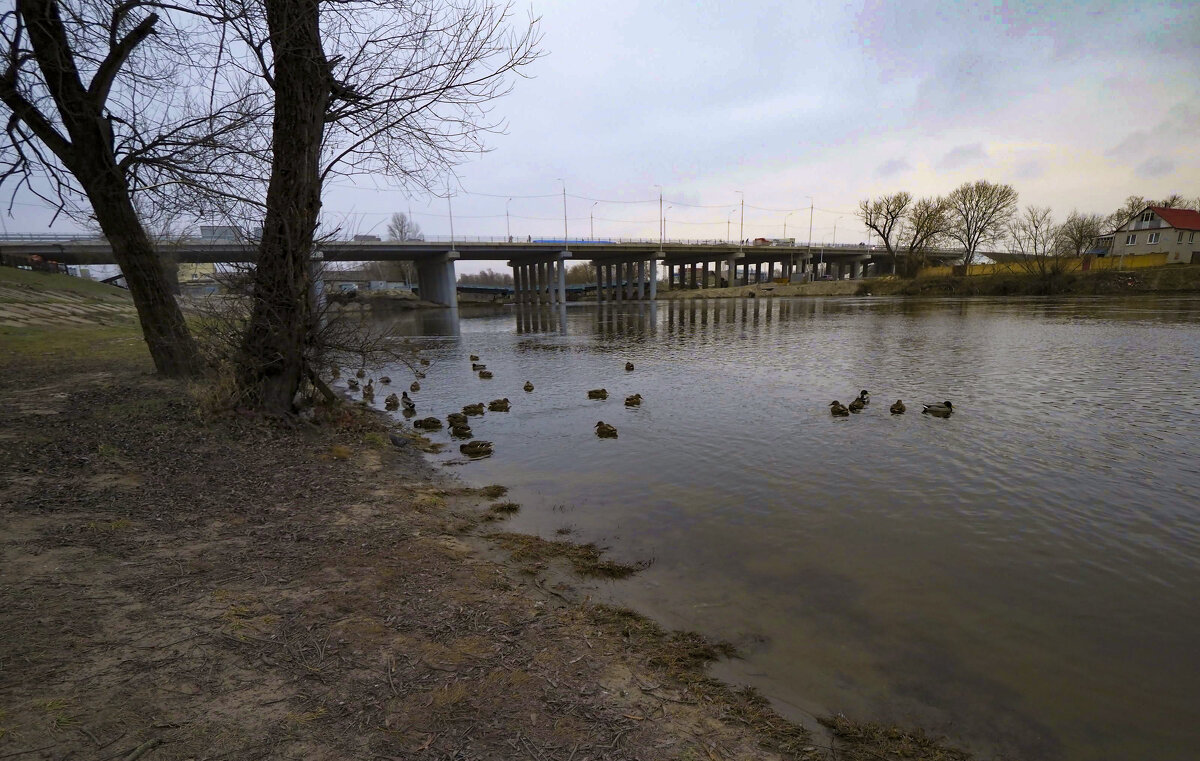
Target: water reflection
x,y
1020,576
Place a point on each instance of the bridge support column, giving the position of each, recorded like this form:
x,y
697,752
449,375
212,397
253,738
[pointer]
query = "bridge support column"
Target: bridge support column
x,y
539,283
704,274
757,273
653,279
562,278
435,279
619,283
670,275
641,272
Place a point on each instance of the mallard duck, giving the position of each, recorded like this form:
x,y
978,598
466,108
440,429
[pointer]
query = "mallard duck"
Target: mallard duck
x,y
407,413
419,374
898,408
938,409
865,396
335,372
473,409
598,393
424,362
456,418
528,386
857,405
476,448
391,403
368,393
408,404
477,366
633,401
485,374
837,409
361,373
414,387
385,380
461,431
605,431
498,405
352,384
428,423
474,357
628,367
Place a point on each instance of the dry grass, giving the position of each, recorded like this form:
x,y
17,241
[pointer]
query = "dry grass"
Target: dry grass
x,y
586,559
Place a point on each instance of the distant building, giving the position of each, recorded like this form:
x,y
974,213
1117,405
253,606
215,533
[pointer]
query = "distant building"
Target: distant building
x,y
1159,230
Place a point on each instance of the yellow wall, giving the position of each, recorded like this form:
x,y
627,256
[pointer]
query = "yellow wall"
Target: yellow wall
x,y
1139,261
189,272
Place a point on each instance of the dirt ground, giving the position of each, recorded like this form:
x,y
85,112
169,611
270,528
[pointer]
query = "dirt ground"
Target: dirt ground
x,y
178,585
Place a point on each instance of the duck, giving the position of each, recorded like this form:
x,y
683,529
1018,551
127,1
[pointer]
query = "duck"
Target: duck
x,y
857,405
898,408
428,423
528,386
837,409
361,373
477,366
865,396
335,372
938,409
628,367
414,387
424,362
474,357
476,448
461,431
391,403
419,374
485,374
633,401
456,418
409,404
498,405
598,393
385,380
606,431
473,409
352,384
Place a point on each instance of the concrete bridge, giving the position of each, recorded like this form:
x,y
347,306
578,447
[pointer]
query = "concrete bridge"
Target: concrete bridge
x,y
625,271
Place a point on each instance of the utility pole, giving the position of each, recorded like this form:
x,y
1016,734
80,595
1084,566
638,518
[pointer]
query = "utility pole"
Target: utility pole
x,y
811,204
450,206
661,226
592,222
742,222
565,236
507,228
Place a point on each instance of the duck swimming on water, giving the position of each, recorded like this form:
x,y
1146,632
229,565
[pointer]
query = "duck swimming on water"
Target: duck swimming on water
x,y
408,404
938,409
837,409
606,431
898,408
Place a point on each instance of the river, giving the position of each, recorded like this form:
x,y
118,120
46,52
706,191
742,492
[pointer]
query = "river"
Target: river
x,y
1021,576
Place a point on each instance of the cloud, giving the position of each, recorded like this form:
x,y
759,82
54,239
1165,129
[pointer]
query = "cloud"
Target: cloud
x,y
893,167
963,155
1028,170
1181,125
1155,166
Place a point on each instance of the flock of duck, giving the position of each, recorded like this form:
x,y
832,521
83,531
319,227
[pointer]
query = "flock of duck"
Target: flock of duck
x,y
937,409
458,422
460,428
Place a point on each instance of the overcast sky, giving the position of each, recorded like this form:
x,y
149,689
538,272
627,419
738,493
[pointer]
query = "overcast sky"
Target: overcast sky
x,y
1076,105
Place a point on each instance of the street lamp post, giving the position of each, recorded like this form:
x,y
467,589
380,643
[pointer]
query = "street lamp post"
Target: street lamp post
x,y
811,204
728,220
742,223
661,226
507,227
592,222
565,235
791,256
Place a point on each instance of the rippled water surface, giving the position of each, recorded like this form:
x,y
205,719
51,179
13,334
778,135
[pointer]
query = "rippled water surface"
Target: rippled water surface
x,y
1023,576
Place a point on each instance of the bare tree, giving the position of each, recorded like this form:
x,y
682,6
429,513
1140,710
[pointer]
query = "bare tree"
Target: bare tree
x,y
400,227
99,119
885,216
925,222
369,87
1133,205
486,277
1079,233
979,214
1035,238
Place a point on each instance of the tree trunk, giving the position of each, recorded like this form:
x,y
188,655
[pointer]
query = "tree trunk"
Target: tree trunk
x,y
272,361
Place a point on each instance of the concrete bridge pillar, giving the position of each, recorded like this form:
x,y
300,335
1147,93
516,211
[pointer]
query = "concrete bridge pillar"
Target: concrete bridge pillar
x,y
704,274
670,275
562,278
641,280
435,279
758,273
653,285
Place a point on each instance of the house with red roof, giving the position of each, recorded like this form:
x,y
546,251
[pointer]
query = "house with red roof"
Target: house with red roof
x,y
1159,230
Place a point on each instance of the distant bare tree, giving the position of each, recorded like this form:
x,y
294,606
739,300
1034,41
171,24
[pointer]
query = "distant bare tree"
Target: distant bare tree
x,y
1079,233
486,277
400,227
979,214
1132,206
581,273
1035,238
925,222
885,215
